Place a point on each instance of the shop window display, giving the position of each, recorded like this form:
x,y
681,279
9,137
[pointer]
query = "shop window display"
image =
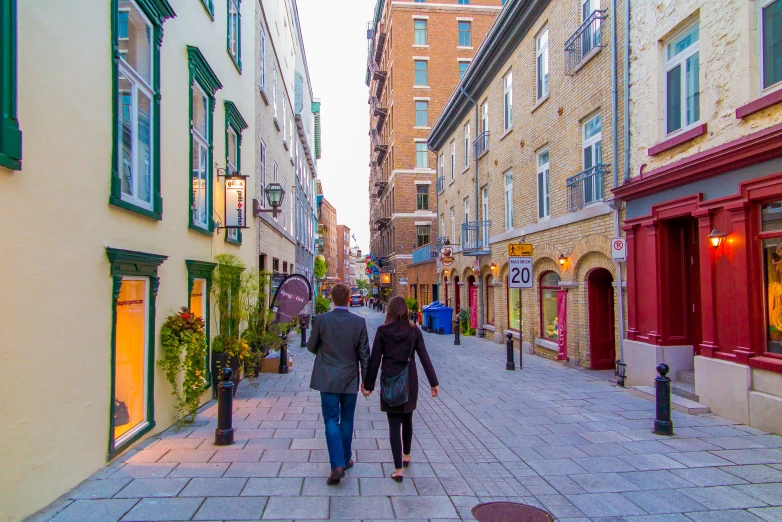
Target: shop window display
x,y
772,255
131,357
549,284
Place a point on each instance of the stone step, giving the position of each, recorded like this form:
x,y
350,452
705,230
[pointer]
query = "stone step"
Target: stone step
x,y
684,389
677,403
686,376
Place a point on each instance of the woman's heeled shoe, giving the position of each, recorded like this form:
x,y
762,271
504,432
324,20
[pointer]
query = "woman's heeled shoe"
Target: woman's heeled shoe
x,y
397,478
406,463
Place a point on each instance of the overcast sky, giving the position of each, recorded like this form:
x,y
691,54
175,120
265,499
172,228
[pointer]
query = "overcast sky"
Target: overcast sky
x,y
335,40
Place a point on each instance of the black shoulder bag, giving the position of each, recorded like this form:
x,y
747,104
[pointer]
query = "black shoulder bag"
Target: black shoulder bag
x,y
395,391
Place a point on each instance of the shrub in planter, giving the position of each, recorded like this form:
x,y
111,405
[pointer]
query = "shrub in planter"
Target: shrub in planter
x,y
464,322
322,305
228,349
183,338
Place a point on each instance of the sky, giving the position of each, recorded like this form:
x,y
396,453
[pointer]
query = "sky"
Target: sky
x,y
335,41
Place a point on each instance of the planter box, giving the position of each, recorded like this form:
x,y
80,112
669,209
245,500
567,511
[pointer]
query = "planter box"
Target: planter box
x,y
270,365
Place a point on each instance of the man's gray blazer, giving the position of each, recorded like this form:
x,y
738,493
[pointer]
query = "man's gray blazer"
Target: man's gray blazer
x,y
340,344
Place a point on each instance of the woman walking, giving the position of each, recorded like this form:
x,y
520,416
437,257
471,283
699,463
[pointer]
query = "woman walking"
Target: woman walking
x,y
393,352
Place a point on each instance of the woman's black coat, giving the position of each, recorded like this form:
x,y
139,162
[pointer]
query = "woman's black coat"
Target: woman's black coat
x,y
389,356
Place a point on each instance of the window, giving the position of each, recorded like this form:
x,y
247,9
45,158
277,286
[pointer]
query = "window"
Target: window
x,y
507,100
210,8
262,194
514,309
441,161
485,216
262,58
422,197
199,277
544,210
453,160
508,200
423,235
682,89
420,72
235,33
771,217
549,326
464,2
420,32
453,226
467,145
771,41
593,156
466,210
274,92
463,69
464,34
135,183
489,299
541,46
275,265
234,126
590,38
421,155
421,113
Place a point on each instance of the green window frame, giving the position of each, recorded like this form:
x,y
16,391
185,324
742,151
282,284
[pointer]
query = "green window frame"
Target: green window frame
x,y
233,122
10,133
127,263
203,270
156,12
210,8
202,76
234,32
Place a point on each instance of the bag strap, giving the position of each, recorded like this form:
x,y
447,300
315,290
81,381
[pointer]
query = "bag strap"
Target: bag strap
x,y
412,346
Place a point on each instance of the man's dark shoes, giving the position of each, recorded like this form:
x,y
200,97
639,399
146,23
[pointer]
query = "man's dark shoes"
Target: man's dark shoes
x,y
350,464
337,474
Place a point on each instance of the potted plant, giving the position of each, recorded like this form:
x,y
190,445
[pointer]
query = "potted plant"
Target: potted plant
x,y
464,322
228,348
412,305
322,305
183,338
261,334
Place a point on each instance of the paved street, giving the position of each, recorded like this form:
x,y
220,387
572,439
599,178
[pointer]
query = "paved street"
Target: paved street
x,y
546,435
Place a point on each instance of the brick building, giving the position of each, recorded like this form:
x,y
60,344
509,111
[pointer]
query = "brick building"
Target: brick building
x,y
524,151
343,254
327,230
417,53
703,205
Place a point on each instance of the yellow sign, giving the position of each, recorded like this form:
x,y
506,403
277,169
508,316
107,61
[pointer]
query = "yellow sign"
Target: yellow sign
x,y
520,250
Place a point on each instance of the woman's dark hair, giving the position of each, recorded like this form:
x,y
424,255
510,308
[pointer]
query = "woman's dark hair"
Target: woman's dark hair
x,y
397,311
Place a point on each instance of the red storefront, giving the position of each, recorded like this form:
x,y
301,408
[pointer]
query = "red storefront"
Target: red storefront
x,y
690,299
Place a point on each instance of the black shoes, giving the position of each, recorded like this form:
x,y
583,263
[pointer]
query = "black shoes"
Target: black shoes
x,y
337,474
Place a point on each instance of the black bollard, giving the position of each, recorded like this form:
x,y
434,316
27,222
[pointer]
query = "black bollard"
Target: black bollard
x,y
283,354
303,336
662,384
456,330
224,434
510,365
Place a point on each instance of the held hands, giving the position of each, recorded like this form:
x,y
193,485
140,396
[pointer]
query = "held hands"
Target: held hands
x,y
435,391
364,392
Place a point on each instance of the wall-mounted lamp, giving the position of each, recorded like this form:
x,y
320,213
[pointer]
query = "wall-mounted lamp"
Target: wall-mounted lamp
x,y
562,259
493,266
716,238
275,195
446,272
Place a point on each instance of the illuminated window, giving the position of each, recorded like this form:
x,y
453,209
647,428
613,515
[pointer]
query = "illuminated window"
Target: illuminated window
x,y
549,285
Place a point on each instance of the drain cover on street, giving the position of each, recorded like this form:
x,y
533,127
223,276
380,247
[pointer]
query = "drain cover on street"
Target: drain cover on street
x,y
509,512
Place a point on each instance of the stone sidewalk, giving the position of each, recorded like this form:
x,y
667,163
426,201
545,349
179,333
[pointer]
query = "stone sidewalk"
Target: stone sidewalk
x,y
555,437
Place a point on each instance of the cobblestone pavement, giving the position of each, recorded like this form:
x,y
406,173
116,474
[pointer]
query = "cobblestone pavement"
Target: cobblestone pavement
x,y
546,435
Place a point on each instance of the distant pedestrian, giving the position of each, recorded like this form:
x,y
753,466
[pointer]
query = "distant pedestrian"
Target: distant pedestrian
x,y
393,352
341,347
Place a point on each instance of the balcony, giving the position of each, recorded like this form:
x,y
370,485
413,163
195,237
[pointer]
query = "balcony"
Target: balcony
x,y
475,238
380,118
585,42
380,78
440,185
481,144
381,151
586,187
425,253
380,43
380,187
382,222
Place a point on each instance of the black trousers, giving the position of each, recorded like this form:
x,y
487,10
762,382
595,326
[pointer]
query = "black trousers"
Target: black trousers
x,y
400,428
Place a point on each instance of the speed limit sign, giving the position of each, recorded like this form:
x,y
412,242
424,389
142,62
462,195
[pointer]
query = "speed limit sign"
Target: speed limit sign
x,y
520,272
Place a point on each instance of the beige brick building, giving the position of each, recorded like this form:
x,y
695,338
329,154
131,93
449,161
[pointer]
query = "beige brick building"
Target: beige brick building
x,y
538,95
327,230
416,56
343,254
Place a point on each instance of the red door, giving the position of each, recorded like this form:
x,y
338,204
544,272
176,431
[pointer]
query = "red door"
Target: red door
x,y
601,320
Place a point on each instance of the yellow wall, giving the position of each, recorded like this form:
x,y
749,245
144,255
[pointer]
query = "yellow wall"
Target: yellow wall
x,y
55,315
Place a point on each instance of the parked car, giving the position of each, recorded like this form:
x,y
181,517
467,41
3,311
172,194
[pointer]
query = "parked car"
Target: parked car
x,y
356,300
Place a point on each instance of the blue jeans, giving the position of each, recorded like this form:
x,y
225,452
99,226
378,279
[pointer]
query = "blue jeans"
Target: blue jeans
x,y
338,410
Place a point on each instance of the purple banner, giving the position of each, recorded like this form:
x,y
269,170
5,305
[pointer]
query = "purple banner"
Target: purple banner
x,y
293,294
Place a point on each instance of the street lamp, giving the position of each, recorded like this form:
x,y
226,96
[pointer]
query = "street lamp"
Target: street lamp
x,y
275,195
716,238
562,259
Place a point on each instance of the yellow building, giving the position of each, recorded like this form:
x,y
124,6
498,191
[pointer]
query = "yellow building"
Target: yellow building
x,y
129,110
526,153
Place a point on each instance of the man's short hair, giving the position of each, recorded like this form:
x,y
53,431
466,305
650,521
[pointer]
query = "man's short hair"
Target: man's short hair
x,y
340,294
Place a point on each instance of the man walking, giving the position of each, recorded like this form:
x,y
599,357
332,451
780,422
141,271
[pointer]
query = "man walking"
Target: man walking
x,y
340,344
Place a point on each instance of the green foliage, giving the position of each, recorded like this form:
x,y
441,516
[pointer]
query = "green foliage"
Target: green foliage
x,y
322,305
464,322
227,296
184,353
363,284
320,268
412,304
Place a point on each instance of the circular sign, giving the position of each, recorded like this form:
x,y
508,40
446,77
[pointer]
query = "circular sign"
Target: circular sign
x,y
619,244
446,260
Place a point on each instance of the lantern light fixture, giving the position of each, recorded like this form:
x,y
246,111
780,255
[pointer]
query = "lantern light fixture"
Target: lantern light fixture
x,y
562,259
716,238
493,266
275,195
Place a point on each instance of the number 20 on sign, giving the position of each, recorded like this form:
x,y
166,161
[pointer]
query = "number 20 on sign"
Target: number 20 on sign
x,y
520,272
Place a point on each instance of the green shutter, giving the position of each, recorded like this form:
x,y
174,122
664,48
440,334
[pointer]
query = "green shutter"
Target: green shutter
x,y
10,134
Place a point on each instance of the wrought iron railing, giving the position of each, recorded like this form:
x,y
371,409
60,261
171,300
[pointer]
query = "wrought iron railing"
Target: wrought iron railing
x,y
481,144
425,253
440,184
475,238
586,187
586,38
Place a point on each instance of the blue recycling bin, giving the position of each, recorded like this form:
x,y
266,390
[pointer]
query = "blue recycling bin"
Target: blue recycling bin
x,y
428,319
442,320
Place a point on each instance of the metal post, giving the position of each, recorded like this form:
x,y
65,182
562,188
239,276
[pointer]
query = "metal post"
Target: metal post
x,y
283,354
457,326
510,365
662,384
303,336
224,434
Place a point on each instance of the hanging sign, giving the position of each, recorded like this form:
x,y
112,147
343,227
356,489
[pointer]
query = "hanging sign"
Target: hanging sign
x,y
562,324
235,202
520,249
619,249
476,265
519,272
292,295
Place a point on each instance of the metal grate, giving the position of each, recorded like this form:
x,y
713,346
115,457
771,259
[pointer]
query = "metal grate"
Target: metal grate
x,y
475,238
587,38
509,512
586,187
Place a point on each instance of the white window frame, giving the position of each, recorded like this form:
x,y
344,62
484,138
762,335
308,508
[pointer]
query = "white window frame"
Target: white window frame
x,y
262,43
467,209
274,88
467,145
453,160
543,173
509,200
441,164
416,32
485,215
453,226
541,52
680,60
263,174
774,86
590,143
507,100
203,148
417,158
233,29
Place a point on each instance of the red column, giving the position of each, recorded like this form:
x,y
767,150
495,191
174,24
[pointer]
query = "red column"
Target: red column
x,y
709,344
632,289
648,272
736,246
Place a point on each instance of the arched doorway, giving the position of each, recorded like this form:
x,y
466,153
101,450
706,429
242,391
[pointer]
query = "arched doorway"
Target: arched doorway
x,y
601,319
456,295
